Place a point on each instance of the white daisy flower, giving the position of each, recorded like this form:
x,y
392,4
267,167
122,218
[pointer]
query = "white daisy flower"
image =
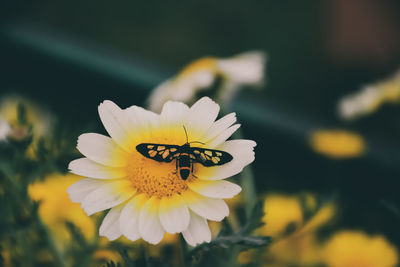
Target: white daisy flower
x,y
147,190
246,69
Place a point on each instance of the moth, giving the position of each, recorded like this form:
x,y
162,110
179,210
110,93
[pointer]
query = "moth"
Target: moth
x,y
184,155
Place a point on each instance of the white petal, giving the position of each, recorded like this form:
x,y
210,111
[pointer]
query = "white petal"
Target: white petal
x,y
243,154
108,196
198,231
161,94
174,214
210,208
200,117
143,119
245,68
215,189
117,123
79,190
101,149
110,225
223,136
86,167
129,219
173,112
149,223
5,129
202,79
228,92
219,127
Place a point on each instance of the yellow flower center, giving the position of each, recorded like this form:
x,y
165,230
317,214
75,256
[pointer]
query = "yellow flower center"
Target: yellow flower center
x,y
155,178
207,63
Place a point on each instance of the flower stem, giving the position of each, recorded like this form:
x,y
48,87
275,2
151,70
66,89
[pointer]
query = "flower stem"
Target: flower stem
x,y
58,257
184,250
247,182
249,191
247,176
232,261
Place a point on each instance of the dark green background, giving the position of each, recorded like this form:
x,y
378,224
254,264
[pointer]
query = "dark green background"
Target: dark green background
x,y
121,50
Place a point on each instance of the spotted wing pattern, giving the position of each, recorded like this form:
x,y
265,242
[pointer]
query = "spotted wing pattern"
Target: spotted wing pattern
x,y
210,157
158,152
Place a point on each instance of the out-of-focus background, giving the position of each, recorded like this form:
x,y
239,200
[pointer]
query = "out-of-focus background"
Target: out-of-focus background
x,y
326,119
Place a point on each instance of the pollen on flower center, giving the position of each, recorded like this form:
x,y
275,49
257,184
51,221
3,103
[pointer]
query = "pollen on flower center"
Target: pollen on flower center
x,y
155,178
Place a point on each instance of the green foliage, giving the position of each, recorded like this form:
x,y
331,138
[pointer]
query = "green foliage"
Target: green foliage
x,y
228,243
112,264
23,160
143,259
21,114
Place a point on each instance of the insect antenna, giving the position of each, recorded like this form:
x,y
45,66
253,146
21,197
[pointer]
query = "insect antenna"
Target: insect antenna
x,y
187,140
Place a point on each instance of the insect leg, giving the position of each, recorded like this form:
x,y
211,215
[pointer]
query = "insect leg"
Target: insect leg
x,y
176,166
191,162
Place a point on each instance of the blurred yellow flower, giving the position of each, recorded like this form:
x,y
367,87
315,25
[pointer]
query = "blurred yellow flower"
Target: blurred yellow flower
x,y
302,246
5,256
324,215
356,249
106,255
246,257
56,208
310,202
370,98
337,144
294,238
300,250
199,76
280,212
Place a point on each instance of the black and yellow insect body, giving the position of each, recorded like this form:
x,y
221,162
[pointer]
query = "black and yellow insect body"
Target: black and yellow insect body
x,y
184,164
185,156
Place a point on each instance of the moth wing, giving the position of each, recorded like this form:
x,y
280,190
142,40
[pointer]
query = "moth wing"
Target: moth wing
x,y
158,152
210,157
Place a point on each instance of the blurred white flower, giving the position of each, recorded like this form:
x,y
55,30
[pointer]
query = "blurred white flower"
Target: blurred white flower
x,y
135,172
5,129
370,98
39,118
246,69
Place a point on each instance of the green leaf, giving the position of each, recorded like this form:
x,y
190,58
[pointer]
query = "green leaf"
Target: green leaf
x,y
127,259
21,114
246,242
229,241
76,234
255,219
